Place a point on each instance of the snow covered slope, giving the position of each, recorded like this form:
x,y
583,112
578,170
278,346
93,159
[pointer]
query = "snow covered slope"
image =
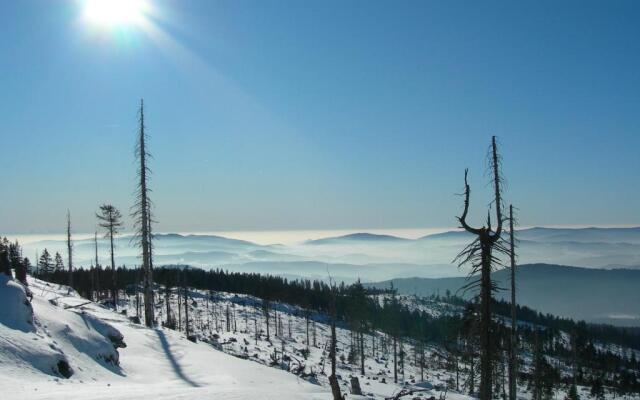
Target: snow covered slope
x,y
155,364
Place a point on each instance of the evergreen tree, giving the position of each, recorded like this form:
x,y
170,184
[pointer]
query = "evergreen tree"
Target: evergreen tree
x,y
27,265
21,271
15,258
5,265
573,393
597,389
45,263
59,266
110,219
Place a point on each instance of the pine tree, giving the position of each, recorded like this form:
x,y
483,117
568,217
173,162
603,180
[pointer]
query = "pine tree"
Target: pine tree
x,y
59,264
573,393
110,219
597,389
21,271
45,263
15,257
5,265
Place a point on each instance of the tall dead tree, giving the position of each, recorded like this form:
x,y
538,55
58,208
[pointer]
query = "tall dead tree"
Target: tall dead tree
x,y
333,378
513,357
69,249
96,277
142,220
186,307
481,255
110,218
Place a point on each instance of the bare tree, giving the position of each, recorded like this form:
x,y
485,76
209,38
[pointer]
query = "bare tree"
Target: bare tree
x,y
333,379
111,219
266,307
69,249
513,356
143,219
96,275
482,257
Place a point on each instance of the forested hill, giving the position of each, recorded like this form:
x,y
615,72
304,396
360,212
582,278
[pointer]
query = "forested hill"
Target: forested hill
x,y
595,295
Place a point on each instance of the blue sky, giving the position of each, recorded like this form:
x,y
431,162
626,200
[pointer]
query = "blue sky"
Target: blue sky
x,y
321,115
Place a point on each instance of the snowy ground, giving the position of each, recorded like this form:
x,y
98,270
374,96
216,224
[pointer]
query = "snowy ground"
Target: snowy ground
x,y
228,360
156,364
208,314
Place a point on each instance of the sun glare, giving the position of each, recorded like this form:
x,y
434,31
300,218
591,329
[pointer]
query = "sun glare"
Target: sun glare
x,y
115,13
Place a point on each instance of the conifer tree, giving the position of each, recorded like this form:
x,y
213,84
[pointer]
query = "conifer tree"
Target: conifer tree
x,y
110,219
59,264
45,263
22,270
5,265
15,257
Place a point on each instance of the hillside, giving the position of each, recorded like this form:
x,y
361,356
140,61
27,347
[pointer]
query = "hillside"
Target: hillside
x,y
594,295
155,364
244,347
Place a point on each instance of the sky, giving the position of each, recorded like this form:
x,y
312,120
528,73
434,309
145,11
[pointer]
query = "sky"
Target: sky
x,y
284,115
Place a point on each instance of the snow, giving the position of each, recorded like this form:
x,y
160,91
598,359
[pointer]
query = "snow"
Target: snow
x,y
156,363
112,357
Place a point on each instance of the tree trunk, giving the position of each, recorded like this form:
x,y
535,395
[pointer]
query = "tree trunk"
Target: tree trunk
x,y
69,249
114,280
395,361
333,379
513,358
167,298
145,224
186,312
361,353
486,352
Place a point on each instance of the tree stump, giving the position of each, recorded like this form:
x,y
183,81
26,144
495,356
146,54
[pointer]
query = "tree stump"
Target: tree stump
x,y
355,386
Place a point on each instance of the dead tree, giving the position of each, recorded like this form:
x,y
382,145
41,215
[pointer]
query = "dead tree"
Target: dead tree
x,y
513,357
395,360
141,212
362,353
96,278
186,307
167,296
333,379
307,314
111,219
266,305
482,256
69,249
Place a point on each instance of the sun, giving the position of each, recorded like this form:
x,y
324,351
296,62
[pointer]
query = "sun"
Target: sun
x,y
114,13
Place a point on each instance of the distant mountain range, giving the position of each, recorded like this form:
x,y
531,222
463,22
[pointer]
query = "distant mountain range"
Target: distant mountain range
x,y
357,237
367,256
596,295
605,293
